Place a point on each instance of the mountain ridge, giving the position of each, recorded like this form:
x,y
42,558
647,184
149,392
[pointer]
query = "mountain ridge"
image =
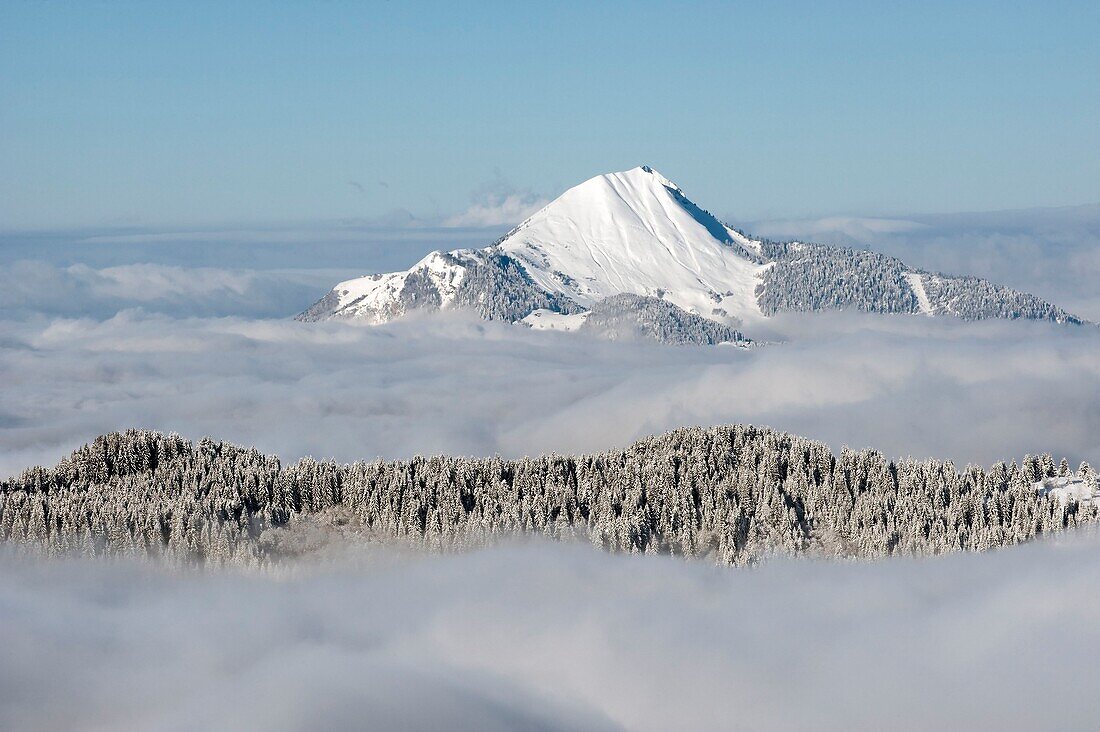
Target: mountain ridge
x,y
636,233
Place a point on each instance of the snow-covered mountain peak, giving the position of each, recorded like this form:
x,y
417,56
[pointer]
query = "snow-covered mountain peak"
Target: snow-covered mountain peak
x,y
636,189
657,176
636,232
629,253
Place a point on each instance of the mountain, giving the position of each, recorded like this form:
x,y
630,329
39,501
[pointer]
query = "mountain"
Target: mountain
x,y
689,277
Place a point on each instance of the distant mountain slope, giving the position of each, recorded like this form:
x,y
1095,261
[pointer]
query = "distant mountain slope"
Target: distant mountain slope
x,y
809,277
637,317
636,233
487,282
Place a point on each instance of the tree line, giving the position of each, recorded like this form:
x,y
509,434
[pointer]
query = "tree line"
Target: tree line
x,y
734,494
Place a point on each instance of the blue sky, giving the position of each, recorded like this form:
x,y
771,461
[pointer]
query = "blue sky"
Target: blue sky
x,y
193,114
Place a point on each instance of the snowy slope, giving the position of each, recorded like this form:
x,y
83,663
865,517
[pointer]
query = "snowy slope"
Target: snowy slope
x,y
635,232
916,282
1075,488
382,297
543,319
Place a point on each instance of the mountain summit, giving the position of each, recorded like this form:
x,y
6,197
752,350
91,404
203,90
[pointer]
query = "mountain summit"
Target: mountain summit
x,y
629,255
636,232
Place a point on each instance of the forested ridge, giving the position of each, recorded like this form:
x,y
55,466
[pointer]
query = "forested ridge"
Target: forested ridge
x,y
806,277
734,494
637,317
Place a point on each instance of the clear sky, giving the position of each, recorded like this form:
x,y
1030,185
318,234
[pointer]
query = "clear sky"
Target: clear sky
x,y
200,113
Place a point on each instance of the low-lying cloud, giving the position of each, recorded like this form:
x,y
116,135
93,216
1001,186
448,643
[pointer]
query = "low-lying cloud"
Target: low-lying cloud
x,y
34,288
557,637
451,384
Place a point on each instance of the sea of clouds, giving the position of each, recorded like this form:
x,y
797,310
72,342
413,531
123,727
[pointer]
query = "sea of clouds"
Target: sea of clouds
x,y
910,386
191,332
556,637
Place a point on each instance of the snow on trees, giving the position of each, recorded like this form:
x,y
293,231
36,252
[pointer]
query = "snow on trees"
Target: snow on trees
x,y
734,494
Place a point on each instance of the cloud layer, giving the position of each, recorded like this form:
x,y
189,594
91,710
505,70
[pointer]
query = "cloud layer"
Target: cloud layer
x,y
556,637
35,288
970,392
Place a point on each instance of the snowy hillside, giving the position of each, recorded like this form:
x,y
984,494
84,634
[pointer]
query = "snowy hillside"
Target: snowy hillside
x,y
636,233
1081,488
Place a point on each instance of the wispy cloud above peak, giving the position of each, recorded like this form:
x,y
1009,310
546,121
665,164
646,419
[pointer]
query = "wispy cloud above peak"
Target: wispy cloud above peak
x,y
847,227
498,209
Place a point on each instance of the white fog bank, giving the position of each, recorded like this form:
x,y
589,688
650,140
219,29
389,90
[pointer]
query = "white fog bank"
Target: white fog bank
x,y
557,637
972,392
